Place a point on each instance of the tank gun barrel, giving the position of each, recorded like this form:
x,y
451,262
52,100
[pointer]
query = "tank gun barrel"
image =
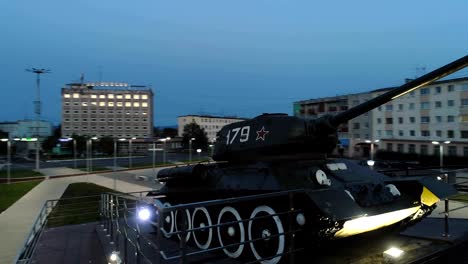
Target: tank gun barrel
x,y
402,90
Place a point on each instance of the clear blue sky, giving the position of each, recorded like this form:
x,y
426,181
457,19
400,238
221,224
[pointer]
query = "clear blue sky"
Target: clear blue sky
x,y
242,57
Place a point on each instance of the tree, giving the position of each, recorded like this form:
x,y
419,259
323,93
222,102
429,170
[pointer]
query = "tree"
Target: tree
x,y
193,130
51,141
169,132
105,145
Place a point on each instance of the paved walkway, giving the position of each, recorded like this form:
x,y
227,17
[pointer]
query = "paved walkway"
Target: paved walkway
x,y
17,221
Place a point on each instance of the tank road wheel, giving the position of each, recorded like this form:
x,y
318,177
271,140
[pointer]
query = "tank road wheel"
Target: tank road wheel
x,y
265,233
232,233
168,222
179,222
201,218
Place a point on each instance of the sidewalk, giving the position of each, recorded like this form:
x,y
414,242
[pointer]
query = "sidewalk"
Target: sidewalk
x,y
17,221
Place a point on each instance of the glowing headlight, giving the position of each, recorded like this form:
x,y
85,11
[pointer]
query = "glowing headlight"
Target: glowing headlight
x,y
393,252
144,214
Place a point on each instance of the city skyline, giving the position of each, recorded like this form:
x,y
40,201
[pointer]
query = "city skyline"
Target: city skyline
x,y
219,58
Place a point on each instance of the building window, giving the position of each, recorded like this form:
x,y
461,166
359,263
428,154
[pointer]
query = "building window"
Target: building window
x,y
128,96
389,133
425,119
136,96
144,96
94,103
465,151
356,136
438,104
144,104
450,103
411,148
94,96
450,118
412,119
451,88
412,133
465,87
102,96
119,104
127,104
389,147
388,107
388,120
110,104
436,150
400,120
75,95
450,134
439,133
452,150
425,105
464,133
67,103
425,133
84,104
424,150
66,95
411,106
438,89
400,133
464,102
119,96
379,133
379,120
400,148
400,107
356,125
110,96
136,104
438,119
102,104
424,91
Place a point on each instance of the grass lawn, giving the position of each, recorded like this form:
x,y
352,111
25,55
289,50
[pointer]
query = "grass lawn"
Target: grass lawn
x,y
10,193
462,197
79,209
19,173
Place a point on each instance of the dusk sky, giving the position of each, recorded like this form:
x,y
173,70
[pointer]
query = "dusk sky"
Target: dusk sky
x,y
242,58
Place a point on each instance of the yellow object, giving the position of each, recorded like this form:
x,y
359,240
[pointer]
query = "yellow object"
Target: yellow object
x,y
428,198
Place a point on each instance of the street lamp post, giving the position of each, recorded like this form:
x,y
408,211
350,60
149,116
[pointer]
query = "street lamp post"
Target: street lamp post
x,y
130,151
198,151
371,161
37,106
190,149
115,165
74,148
8,157
154,159
90,168
446,201
164,148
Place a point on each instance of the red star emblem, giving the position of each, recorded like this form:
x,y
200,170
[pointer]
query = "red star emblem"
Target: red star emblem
x,y
262,133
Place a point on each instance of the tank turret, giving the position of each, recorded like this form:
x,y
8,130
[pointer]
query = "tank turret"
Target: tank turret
x,y
279,136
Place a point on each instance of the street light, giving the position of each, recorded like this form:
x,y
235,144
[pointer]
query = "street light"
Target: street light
x,y
198,151
441,153
90,154
164,148
74,148
8,157
130,151
190,149
371,162
37,106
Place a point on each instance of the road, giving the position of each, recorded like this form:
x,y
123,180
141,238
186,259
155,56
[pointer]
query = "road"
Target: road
x,y
99,162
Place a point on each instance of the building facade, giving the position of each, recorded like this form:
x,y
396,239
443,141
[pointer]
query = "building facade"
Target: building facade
x,y
408,124
116,110
211,124
27,128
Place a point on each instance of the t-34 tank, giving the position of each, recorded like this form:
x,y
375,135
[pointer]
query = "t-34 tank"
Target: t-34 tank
x,y
282,162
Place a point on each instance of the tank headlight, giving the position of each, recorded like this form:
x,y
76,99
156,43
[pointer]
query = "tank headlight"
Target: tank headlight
x,y
144,214
393,252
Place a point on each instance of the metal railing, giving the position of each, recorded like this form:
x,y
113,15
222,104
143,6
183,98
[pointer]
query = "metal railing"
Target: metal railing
x,y
130,240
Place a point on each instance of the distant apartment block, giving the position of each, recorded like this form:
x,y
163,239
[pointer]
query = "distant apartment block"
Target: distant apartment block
x,y
211,124
107,109
27,128
437,112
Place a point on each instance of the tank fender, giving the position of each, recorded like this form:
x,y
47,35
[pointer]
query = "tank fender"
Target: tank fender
x,y
336,204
